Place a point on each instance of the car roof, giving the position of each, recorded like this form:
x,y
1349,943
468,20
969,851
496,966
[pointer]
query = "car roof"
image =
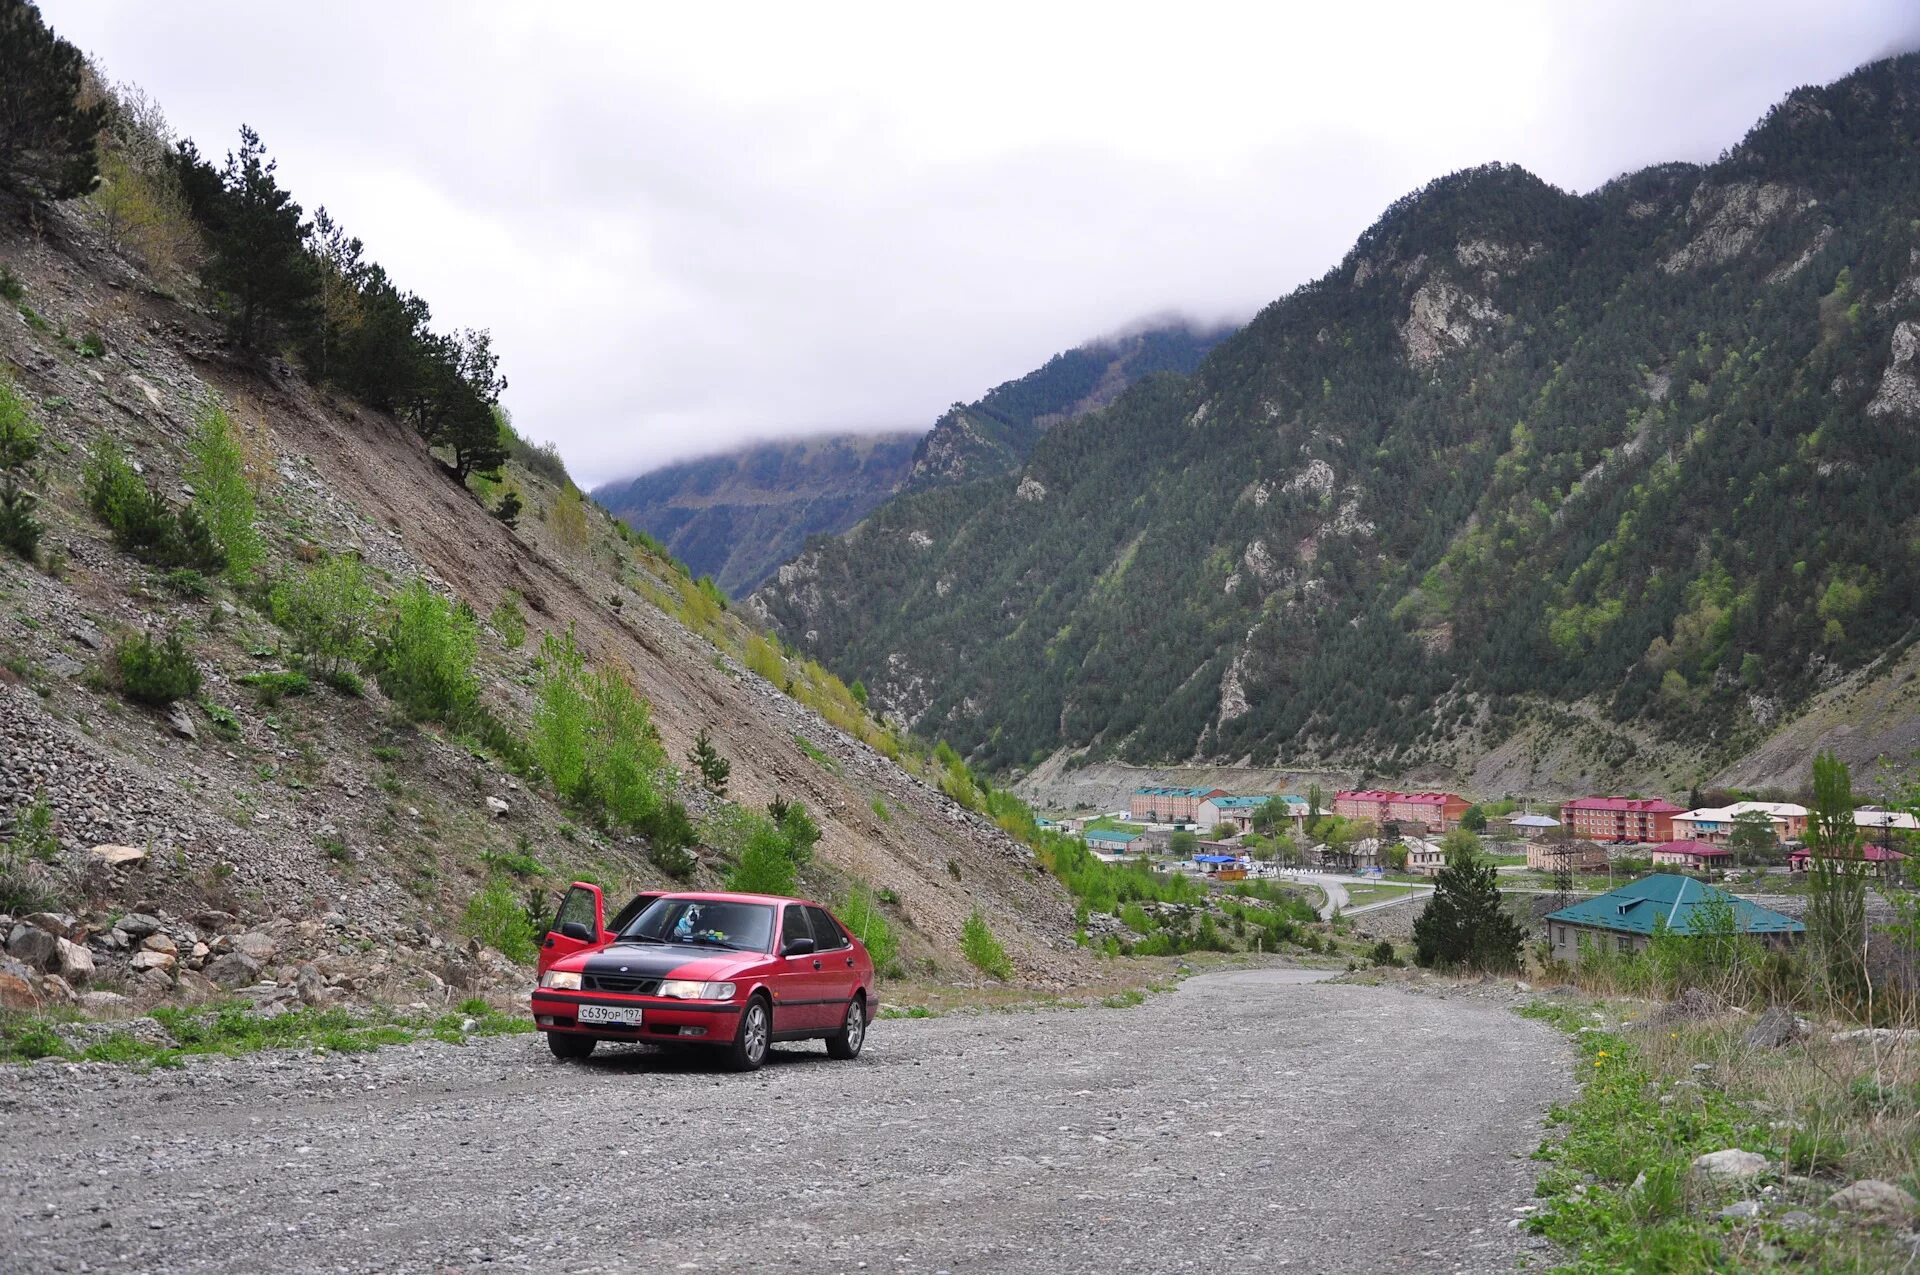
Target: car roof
x,y
724,896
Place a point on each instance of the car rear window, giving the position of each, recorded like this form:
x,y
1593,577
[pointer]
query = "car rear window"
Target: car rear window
x,y
827,933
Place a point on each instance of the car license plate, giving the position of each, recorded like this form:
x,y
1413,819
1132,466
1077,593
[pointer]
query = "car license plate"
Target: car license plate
x,y
611,1015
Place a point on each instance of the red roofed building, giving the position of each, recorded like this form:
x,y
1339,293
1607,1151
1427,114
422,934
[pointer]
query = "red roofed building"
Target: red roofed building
x,y
1620,818
1880,860
1692,855
1434,811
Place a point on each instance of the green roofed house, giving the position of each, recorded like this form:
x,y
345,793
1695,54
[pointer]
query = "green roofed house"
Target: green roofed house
x,y
1111,840
1629,916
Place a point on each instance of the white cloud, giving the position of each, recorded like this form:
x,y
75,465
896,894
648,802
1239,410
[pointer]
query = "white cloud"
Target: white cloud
x,y
689,225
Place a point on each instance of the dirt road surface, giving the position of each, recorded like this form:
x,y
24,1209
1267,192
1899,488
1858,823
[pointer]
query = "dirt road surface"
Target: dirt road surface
x,y
1246,1120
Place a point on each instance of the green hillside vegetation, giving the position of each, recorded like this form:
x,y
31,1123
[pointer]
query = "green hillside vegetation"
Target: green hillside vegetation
x,y
1642,448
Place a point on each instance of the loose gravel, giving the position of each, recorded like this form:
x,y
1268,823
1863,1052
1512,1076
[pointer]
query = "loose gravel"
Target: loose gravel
x,y
1247,1119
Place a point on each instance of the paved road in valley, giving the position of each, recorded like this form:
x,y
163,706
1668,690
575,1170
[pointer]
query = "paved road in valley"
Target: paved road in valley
x,y
1251,1120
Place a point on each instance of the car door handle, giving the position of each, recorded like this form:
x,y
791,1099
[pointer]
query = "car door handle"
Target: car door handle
x,y
849,962
816,965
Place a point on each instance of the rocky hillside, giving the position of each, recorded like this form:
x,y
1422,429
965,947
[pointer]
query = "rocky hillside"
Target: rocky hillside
x,y
739,515
310,825
1531,488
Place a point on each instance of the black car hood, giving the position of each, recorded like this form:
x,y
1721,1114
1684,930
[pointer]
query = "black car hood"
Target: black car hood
x,y
664,960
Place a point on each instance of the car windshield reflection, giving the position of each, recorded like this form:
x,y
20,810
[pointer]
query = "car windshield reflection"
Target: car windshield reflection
x,y
734,927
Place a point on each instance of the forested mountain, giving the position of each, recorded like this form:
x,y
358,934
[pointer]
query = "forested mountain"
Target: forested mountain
x,y
1649,454
739,515
995,434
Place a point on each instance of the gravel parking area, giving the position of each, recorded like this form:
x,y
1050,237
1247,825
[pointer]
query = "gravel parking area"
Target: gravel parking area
x,y
1247,1119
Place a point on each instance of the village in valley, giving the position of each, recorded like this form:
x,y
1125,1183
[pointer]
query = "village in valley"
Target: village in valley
x,y
1606,871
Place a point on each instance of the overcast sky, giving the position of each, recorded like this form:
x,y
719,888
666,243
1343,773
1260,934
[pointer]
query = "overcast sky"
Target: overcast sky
x,y
690,225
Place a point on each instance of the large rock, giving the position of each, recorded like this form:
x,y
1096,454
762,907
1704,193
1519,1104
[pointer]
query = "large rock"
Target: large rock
x,y
148,959
1775,1027
73,962
497,808
1722,1168
159,943
117,856
195,988
33,947
235,969
255,944
1876,1203
104,1004
63,924
137,925
16,987
310,984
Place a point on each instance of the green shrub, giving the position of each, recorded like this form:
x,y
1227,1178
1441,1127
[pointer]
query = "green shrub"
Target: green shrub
x,y
509,621
425,659
271,685
10,285
92,346
156,672
19,448
139,517
674,860
763,658
860,913
24,885
764,866
594,738
983,950
496,918
327,609
222,492
186,582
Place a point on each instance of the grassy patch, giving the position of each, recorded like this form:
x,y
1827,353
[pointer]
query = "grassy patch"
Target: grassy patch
x,y
1618,1194
983,950
815,755
235,1028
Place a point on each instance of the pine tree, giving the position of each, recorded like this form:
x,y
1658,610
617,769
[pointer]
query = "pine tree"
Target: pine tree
x,y
1837,883
259,267
713,768
1464,923
47,139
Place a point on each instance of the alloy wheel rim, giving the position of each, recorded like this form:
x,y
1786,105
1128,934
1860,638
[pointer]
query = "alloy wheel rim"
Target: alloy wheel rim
x,y
856,1025
756,1033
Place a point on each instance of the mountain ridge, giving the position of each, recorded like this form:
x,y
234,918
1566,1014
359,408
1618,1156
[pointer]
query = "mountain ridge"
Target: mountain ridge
x,y
738,514
1505,459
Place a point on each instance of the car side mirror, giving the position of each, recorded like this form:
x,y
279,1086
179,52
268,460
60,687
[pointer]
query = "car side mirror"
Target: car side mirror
x,y
577,931
798,947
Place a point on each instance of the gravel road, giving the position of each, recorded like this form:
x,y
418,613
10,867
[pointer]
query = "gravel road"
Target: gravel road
x,y
1252,1118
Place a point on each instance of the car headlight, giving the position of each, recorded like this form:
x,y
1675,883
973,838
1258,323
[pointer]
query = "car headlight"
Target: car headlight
x,y
561,980
687,989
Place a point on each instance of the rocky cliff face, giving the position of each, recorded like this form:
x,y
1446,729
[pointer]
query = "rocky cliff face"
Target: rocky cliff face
x,y
1530,487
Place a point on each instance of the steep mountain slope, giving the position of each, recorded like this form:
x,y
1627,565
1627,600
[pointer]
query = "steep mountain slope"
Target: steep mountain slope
x,y
1618,481
331,811
996,433
739,515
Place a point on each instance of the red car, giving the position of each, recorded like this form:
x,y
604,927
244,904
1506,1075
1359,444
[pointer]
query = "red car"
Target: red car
x,y
733,971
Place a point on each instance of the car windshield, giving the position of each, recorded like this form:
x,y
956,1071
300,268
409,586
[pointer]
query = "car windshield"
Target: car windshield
x,y
739,927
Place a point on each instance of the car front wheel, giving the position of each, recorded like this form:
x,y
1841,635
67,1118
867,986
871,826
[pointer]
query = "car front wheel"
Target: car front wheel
x,y
569,1047
749,1048
845,1043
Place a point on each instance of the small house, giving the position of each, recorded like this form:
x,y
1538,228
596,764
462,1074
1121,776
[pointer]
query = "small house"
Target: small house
x,y
1692,856
1531,826
1111,840
1566,856
1626,919
1880,860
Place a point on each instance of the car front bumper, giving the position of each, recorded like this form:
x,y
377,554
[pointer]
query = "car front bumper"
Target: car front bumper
x,y
713,1022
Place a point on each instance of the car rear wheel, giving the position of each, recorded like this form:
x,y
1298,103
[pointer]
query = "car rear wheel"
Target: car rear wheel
x,y
845,1043
567,1046
749,1048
